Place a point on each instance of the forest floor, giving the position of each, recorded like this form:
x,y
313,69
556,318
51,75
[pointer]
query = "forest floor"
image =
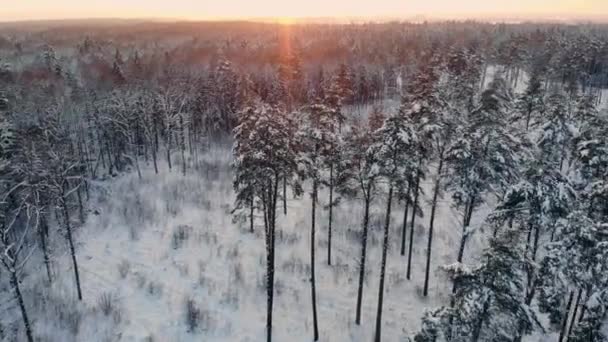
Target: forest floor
x,y
153,244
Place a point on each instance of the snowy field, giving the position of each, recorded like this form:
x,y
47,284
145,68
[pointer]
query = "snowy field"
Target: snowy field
x,y
149,246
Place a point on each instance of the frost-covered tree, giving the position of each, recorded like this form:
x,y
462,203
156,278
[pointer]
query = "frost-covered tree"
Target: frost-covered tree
x,y
423,105
530,104
315,146
395,151
577,259
226,98
557,131
590,159
265,153
16,219
589,328
484,159
66,178
463,68
359,174
326,122
489,303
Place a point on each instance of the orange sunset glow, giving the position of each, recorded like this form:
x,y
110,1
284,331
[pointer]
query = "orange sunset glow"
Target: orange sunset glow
x,y
286,11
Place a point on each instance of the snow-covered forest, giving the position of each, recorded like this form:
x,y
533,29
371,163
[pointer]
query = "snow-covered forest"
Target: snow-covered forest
x,y
237,181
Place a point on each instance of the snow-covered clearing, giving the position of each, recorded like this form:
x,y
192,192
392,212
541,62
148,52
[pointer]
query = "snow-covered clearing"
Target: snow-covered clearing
x,y
153,244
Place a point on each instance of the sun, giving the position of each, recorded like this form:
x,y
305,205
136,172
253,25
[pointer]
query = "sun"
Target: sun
x,y
286,20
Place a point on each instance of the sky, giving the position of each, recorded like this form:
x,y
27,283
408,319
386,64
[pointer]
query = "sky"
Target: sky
x,y
12,10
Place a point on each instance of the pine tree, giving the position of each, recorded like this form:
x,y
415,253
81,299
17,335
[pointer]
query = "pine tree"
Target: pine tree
x,y
489,303
65,179
422,105
325,122
315,146
557,132
395,151
577,259
266,154
359,174
226,100
589,329
530,105
484,159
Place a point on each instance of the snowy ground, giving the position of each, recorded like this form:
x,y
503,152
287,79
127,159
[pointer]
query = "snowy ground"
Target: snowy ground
x,y
131,251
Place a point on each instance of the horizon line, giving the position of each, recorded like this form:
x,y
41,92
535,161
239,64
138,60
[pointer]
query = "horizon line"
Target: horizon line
x,y
482,17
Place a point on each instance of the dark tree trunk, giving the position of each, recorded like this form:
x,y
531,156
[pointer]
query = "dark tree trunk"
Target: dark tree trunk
x,y
562,331
86,188
270,261
531,275
312,264
19,296
110,164
101,151
468,214
154,160
80,205
425,291
68,226
413,225
331,206
183,144
169,152
528,116
251,207
43,233
155,147
479,325
405,212
363,253
387,223
284,195
585,301
575,311
265,210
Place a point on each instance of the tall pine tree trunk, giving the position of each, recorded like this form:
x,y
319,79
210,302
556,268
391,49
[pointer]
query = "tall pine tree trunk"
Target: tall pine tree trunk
x,y
405,212
169,152
183,143
80,205
284,195
531,290
251,207
43,233
468,214
575,311
110,164
331,206
19,297
270,260
479,324
413,225
564,326
68,227
387,223
312,264
155,147
363,253
588,289
425,291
